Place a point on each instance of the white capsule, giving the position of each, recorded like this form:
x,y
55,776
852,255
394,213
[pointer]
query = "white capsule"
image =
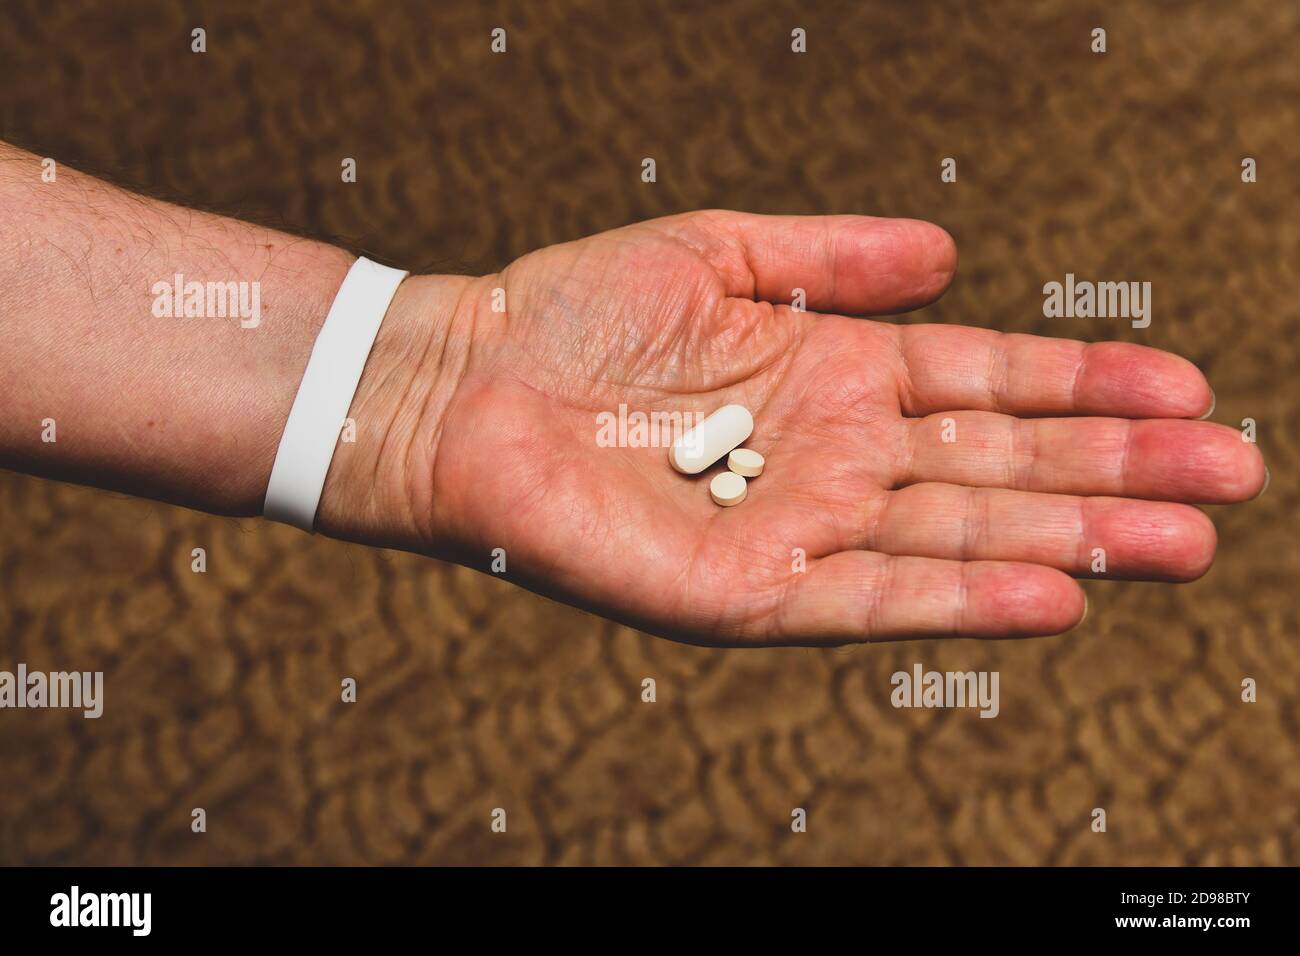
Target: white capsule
x,y
747,462
727,488
711,439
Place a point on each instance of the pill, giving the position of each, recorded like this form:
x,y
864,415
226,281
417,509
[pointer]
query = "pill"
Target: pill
x,y
727,488
711,439
746,461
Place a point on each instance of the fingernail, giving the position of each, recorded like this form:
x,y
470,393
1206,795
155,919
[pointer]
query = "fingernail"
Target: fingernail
x,y
1268,476
1085,609
1214,400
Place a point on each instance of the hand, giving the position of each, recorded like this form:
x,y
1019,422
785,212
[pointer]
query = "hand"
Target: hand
x,y
1060,447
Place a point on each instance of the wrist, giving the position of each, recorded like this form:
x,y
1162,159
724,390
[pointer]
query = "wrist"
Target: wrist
x,y
380,486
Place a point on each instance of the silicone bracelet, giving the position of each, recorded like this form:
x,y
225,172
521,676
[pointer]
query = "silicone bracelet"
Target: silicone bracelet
x,y
325,395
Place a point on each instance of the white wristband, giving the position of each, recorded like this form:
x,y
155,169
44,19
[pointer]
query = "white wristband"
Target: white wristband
x,y
325,395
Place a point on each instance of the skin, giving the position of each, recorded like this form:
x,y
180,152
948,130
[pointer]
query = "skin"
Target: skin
x,y
477,428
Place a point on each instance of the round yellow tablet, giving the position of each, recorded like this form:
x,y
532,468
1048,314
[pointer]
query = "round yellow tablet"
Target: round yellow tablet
x,y
727,488
747,462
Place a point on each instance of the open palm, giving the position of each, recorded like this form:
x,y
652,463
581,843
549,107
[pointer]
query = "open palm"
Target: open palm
x,y
920,481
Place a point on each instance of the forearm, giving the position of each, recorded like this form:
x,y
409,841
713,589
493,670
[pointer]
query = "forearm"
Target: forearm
x,y
190,410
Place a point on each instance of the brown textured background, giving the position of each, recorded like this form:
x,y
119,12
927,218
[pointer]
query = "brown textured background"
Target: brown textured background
x,y
223,689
